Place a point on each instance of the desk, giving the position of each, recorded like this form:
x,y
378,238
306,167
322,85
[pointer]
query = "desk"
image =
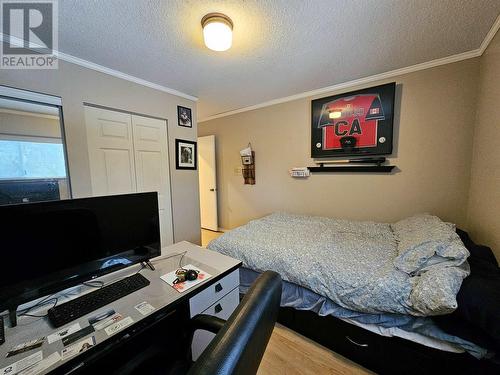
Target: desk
x,y
160,295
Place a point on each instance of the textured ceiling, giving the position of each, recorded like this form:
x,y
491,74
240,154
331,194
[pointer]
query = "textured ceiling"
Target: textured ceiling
x,y
280,47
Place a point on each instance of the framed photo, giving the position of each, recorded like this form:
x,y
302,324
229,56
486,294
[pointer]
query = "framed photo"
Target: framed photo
x,y
185,154
184,117
357,123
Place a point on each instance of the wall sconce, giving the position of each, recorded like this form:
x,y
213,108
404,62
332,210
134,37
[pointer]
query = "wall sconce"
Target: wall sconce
x,y
248,161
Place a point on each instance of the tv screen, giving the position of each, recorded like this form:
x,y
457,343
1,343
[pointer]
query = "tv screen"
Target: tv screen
x,y
356,123
50,246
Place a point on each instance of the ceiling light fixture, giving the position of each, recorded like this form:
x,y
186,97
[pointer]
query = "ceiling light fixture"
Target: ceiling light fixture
x,y
217,31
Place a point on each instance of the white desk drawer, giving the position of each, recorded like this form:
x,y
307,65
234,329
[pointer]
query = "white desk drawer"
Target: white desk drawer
x,y
221,309
203,300
224,307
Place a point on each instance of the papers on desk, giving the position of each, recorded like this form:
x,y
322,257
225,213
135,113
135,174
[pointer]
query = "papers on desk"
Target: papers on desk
x,y
63,333
93,320
79,347
22,364
75,336
34,363
144,308
24,347
42,365
170,277
107,322
118,326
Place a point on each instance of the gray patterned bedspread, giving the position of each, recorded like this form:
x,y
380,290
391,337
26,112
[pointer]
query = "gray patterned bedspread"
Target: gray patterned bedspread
x,y
415,266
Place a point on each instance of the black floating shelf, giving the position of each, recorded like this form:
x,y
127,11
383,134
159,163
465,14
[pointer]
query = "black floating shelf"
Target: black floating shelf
x,y
355,169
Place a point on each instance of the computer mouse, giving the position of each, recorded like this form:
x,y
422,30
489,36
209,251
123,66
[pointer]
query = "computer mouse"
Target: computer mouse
x,y
191,275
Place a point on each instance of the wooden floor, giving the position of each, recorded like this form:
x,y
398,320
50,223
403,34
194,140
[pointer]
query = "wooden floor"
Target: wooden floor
x,y
207,236
289,353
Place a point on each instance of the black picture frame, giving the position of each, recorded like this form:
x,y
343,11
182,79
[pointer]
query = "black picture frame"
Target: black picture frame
x,y
364,126
184,117
182,156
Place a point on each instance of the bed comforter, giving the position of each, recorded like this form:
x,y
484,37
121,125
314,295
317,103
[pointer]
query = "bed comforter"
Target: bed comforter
x,y
415,266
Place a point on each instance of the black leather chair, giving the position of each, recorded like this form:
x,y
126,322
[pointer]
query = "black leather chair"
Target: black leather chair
x,y
239,343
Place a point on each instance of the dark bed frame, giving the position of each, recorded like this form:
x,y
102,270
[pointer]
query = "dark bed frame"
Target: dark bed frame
x,y
383,355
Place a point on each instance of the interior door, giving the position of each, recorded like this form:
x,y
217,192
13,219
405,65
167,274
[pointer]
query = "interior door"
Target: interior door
x,y
111,156
208,182
152,167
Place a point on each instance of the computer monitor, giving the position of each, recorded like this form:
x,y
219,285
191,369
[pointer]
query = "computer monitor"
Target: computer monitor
x,y
46,247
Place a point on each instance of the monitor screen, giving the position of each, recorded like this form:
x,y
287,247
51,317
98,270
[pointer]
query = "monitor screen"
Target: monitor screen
x,y
49,246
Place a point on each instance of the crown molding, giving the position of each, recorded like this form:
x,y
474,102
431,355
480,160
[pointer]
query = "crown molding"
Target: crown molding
x,y
491,34
369,79
103,69
353,83
118,74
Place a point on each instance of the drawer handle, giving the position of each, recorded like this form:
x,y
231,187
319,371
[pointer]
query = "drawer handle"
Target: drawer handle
x,y
218,308
355,343
218,288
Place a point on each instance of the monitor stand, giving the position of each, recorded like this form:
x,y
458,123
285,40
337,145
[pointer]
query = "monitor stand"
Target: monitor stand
x,y
148,264
13,316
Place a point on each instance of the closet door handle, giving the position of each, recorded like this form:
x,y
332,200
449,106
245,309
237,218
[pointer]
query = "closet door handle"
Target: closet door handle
x,y
355,343
218,308
212,189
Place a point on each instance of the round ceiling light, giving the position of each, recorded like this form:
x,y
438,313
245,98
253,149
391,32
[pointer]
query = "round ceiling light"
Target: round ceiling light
x,y
217,31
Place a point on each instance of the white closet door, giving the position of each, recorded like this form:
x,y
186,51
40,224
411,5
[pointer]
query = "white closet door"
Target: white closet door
x,y
111,156
129,154
152,167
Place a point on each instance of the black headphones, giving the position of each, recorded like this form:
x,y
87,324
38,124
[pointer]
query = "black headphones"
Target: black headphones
x,y
184,274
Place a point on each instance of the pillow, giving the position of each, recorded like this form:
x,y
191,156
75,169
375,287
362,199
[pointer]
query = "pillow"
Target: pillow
x,y
424,241
414,222
434,291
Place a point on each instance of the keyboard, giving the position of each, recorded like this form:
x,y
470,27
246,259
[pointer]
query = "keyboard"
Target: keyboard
x,y
71,310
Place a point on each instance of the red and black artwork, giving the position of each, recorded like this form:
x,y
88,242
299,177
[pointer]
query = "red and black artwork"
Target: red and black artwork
x,y
356,123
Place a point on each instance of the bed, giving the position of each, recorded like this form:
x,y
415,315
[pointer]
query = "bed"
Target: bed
x,y
348,284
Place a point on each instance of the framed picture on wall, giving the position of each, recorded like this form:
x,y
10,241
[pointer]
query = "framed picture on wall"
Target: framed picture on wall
x,y
184,117
356,123
185,154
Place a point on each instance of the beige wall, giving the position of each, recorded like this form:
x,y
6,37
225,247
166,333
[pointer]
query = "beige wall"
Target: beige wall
x,y
484,198
76,85
433,127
